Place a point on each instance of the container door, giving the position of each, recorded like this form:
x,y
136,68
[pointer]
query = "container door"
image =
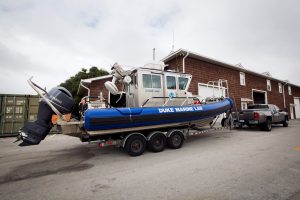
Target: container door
x,y
33,106
13,114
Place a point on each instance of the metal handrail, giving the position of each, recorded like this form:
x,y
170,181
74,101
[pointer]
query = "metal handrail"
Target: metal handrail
x,y
38,89
185,99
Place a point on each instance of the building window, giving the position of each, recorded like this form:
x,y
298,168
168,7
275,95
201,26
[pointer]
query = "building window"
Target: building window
x,y
290,90
242,78
280,87
244,105
268,85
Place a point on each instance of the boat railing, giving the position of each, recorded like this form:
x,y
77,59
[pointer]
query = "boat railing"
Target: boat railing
x,y
178,101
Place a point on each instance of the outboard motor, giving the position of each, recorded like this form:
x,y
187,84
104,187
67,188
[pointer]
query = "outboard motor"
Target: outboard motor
x,y
33,132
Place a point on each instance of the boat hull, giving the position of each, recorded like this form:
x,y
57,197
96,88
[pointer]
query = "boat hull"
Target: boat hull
x,y
117,120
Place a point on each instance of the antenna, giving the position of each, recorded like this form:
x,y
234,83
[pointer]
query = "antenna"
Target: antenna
x,y
153,54
173,43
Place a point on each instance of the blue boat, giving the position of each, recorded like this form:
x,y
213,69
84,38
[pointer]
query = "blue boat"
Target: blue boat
x,y
115,120
154,109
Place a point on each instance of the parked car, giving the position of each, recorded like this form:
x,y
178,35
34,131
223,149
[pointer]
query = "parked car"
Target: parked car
x,y
263,116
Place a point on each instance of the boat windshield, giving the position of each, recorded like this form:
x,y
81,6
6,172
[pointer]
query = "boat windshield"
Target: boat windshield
x,y
182,83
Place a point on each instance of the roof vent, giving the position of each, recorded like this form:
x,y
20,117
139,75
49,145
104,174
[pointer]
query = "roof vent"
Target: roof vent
x,y
240,65
267,74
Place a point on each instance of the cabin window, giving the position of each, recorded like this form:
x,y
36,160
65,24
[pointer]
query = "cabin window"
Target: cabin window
x,y
156,83
171,82
268,85
242,78
182,83
280,87
290,90
151,81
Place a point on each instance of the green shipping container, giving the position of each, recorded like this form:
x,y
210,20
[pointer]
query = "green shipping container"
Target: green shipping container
x,y
33,105
15,111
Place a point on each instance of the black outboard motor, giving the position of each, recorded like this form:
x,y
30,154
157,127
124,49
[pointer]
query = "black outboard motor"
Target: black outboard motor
x,y
33,132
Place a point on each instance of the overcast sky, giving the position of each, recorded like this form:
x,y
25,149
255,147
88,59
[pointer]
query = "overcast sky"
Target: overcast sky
x,y
52,40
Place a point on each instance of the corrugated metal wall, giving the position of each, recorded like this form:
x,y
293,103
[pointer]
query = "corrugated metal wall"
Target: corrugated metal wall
x,y
15,110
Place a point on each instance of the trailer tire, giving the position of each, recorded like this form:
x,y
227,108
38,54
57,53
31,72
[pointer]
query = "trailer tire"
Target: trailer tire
x,y
223,122
135,145
175,139
157,141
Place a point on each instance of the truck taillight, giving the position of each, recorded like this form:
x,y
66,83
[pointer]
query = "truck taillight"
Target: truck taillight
x,y
256,115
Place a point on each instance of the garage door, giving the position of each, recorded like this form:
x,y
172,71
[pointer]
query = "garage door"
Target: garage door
x,y
259,97
206,90
297,107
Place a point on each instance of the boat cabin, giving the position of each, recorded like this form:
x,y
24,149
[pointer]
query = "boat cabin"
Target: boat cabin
x,y
148,86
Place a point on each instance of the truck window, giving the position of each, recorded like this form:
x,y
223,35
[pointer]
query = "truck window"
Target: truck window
x,y
258,106
151,81
271,107
171,82
276,108
182,83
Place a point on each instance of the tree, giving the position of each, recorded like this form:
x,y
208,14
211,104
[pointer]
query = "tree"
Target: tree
x,y
73,82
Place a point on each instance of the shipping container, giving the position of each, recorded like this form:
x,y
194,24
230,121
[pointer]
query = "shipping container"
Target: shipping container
x,y
33,105
15,110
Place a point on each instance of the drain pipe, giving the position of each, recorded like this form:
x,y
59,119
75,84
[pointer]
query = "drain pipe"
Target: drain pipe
x,y
183,62
283,94
88,89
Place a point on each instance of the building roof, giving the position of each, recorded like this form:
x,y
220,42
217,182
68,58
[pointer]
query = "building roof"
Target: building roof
x,y
87,82
238,67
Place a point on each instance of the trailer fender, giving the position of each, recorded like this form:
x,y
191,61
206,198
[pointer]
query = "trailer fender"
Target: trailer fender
x,y
152,134
169,133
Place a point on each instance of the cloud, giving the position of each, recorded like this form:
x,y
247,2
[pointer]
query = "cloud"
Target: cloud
x,y
54,39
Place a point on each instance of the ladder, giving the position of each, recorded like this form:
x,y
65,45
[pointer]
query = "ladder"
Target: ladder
x,y
221,85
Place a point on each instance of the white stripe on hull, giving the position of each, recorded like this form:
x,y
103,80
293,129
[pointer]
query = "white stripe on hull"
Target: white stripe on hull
x,y
203,122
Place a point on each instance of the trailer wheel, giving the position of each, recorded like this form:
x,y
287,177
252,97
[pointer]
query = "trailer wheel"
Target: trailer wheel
x,y
135,145
157,141
223,122
175,139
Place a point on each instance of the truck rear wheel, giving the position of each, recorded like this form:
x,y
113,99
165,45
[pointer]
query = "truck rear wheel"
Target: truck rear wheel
x,y
175,139
267,126
135,145
285,123
157,141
